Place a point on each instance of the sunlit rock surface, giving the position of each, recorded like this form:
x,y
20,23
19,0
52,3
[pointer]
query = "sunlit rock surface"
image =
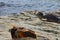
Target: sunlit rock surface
x,y
27,19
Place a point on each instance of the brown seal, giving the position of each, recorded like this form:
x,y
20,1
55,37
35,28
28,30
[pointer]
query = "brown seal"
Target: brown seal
x,y
21,32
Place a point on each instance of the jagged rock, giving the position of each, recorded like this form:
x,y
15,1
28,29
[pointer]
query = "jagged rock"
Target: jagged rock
x,y
27,19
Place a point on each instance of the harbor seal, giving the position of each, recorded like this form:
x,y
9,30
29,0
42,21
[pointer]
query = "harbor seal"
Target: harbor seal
x,y
20,32
48,17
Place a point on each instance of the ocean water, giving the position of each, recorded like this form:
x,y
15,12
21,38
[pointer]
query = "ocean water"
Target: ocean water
x,y
15,6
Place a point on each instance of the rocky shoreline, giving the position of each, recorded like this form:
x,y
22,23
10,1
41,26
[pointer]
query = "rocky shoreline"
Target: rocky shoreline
x,y
27,19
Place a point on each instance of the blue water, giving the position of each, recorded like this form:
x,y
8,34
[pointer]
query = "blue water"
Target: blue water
x,y
15,6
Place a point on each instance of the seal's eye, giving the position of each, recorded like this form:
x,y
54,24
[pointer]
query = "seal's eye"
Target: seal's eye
x,y
40,13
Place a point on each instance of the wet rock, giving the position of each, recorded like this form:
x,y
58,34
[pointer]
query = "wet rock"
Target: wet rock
x,y
51,31
56,38
43,38
57,13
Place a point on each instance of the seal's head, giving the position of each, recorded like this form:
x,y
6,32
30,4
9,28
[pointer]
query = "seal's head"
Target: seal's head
x,y
14,27
39,15
13,32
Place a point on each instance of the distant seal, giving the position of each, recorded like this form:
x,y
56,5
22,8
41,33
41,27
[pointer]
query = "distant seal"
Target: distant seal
x,y
49,17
